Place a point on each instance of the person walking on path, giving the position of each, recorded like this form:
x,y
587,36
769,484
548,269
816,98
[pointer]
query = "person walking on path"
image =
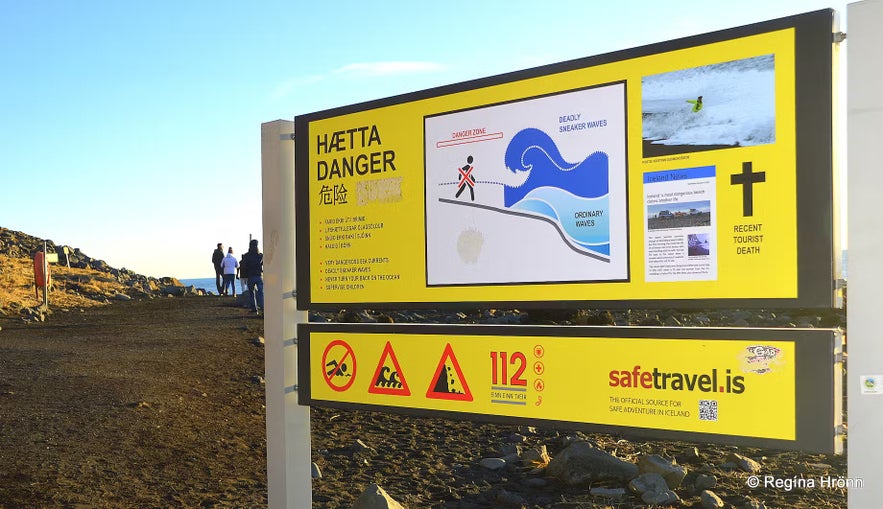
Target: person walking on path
x,y
252,269
217,256
229,266
243,279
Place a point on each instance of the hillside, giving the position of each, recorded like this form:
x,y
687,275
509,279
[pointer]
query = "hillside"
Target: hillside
x,y
87,282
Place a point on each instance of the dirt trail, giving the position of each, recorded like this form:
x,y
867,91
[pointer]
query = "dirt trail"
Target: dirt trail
x,y
159,403
136,404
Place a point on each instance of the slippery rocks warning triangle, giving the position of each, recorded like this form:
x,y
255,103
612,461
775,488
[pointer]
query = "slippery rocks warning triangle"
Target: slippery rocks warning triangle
x,y
388,377
448,381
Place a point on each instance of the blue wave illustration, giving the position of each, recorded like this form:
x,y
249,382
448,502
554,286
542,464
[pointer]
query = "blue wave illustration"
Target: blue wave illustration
x,y
584,222
535,151
575,196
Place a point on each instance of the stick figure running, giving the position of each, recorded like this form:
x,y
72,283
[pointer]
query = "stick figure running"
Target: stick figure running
x,y
466,179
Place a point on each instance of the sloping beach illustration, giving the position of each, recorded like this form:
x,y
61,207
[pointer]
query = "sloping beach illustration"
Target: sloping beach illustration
x,y
724,105
535,192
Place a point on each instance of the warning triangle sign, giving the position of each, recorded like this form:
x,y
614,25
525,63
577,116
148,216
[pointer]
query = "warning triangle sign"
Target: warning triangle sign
x,y
388,377
448,381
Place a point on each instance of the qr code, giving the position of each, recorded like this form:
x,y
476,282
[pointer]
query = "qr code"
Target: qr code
x,y
707,410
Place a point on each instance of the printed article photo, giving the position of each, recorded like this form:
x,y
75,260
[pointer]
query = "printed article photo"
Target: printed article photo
x,y
717,106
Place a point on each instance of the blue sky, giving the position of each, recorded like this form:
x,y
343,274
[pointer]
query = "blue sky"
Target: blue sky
x,y
132,129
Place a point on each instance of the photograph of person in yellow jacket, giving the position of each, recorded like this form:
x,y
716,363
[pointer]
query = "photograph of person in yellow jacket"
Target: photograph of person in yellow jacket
x,y
736,108
697,104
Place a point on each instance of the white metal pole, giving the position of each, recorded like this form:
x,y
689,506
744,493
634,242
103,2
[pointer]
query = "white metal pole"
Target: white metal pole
x,y
865,237
45,277
289,481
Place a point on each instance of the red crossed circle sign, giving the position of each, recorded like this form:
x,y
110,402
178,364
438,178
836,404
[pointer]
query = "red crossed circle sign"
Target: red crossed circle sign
x,y
339,365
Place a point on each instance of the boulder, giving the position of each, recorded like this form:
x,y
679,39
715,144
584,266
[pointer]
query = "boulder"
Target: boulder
x,y
666,497
375,498
509,499
581,462
649,482
744,463
608,492
710,500
704,482
493,463
671,472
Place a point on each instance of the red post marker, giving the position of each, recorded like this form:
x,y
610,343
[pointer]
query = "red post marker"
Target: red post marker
x,y
41,275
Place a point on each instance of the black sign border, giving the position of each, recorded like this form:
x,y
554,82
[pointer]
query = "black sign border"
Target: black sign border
x,y
816,276
816,383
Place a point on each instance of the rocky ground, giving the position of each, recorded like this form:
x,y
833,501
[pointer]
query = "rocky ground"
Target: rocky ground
x,y
159,403
129,396
153,403
470,465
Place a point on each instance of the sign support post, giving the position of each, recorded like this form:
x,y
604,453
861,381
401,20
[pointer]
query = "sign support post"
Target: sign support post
x,y
45,277
288,424
865,384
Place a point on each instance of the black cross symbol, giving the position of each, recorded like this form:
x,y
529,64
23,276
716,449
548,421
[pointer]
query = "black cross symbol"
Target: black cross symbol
x,y
747,179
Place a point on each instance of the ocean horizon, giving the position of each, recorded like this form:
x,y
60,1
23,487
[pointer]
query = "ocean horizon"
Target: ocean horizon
x,y
206,283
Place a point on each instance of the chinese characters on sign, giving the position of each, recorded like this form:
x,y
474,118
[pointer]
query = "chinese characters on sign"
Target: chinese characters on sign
x,y
335,195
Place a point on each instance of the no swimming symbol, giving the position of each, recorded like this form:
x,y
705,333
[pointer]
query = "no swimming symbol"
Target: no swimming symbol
x,y
339,365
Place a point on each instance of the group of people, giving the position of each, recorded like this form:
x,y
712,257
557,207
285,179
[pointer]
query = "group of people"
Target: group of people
x,y
249,270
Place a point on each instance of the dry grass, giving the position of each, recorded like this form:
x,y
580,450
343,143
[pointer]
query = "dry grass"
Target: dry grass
x,y
70,287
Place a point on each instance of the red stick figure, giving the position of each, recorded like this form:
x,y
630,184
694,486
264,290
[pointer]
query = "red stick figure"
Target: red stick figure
x,y
466,179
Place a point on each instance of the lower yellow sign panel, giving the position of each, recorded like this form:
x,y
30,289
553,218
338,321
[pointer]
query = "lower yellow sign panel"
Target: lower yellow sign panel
x,y
732,386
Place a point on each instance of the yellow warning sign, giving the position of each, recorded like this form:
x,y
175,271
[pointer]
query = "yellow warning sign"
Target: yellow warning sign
x,y
742,387
388,377
606,185
448,381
